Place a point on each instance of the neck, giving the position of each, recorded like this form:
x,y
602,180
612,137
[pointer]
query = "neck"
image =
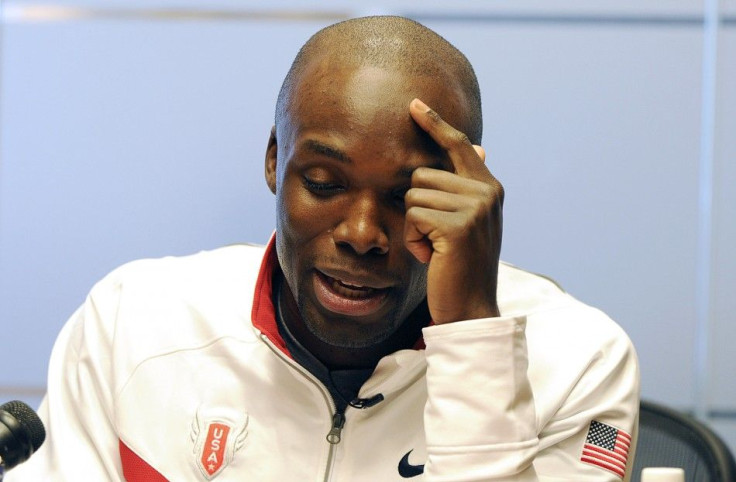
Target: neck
x,y
337,357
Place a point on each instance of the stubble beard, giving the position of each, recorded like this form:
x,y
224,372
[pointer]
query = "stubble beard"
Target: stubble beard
x,y
360,336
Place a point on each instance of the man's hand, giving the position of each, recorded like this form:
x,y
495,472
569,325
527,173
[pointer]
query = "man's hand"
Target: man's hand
x,y
453,222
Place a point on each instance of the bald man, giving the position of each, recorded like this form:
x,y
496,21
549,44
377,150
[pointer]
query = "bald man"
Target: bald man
x,y
375,338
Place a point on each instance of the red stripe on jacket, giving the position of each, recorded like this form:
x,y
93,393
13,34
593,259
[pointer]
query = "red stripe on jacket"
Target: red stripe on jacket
x,y
135,469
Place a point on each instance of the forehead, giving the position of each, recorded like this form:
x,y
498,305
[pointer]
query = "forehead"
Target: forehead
x,y
370,100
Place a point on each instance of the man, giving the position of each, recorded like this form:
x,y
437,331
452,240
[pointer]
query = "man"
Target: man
x,y
375,338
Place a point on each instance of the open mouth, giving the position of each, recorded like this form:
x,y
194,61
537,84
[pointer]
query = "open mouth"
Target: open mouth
x,y
349,290
348,297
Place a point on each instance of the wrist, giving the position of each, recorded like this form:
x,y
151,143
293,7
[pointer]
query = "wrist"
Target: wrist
x,y
473,312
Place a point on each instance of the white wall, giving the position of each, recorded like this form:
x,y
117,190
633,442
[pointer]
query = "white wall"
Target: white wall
x,y
131,131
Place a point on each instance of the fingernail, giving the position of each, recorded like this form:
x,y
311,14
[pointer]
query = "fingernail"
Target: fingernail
x,y
421,105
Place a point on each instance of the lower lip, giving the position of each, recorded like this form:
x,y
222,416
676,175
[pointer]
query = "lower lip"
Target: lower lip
x,y
338,303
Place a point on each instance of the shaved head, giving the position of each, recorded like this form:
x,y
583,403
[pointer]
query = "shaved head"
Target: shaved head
x,y
392,43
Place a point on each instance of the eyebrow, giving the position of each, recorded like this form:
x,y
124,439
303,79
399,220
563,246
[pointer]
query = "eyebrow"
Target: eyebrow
x,y
329,151
335,153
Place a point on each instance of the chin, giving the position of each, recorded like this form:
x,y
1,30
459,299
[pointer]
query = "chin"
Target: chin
x,y
345,333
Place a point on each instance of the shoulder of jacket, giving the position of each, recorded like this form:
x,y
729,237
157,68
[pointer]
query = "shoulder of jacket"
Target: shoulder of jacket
x,y
549,308
152,308
521,292
228,264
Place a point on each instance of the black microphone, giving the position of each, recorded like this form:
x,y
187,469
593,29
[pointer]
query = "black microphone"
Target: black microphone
x,y
21,434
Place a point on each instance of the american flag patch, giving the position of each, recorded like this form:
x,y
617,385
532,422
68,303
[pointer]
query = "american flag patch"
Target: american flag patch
x,y
606,447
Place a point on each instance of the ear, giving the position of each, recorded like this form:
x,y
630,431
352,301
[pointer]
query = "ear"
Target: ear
x,y
271,154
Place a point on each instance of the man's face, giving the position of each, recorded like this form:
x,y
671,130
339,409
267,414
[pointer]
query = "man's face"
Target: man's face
x,y
341,163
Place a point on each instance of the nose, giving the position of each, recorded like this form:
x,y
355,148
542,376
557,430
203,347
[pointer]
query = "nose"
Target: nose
x,y
361,228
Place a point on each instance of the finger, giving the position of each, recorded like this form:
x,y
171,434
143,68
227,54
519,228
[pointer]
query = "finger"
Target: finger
x,y
416,241
437,200
480,151
464,157
425,226
429,178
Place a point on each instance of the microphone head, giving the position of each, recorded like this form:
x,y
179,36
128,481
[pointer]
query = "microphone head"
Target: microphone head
x,y
28,419
21,433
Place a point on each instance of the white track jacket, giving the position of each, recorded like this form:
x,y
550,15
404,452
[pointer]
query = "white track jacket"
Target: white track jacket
x,y
173,369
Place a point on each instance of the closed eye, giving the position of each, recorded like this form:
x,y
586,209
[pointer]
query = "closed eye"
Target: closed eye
x,y
322,188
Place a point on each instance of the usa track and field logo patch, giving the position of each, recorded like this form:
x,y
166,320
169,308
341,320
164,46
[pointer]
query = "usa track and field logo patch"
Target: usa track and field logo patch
x,y
216,439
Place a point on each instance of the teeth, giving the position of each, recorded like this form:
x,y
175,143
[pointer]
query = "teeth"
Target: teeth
x,y
350,291
357,287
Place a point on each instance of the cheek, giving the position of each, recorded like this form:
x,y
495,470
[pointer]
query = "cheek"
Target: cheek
x,y
293,231
418,284
302,227
299,216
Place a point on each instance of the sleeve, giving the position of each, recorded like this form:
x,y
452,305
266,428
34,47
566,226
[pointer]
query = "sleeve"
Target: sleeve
x,y
490,417
77,410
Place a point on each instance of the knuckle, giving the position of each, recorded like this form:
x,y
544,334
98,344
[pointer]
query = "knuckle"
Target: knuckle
x,y
465,228
410,216
434,116
482,204
488,191
490,198
460,138
500,192
493,191
420,175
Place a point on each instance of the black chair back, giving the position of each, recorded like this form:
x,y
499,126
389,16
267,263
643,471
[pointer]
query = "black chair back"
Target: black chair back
x,y
669,438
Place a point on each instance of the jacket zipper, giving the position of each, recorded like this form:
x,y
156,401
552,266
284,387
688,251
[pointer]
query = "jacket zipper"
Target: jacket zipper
x,y
338,418
338,422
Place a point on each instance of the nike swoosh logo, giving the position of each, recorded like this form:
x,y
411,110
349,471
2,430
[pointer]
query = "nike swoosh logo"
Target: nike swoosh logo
x,y
407,470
